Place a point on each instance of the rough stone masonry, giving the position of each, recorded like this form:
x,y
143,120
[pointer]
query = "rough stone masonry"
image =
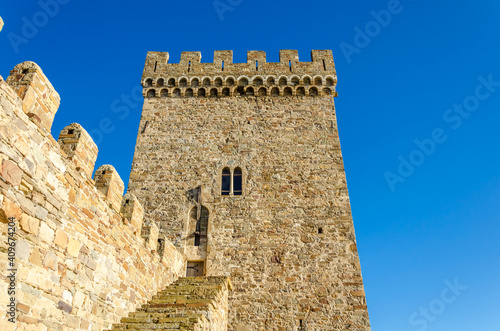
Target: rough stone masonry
x,y
240,166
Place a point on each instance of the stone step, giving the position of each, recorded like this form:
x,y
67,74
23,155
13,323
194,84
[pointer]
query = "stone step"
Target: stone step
x,y
184,305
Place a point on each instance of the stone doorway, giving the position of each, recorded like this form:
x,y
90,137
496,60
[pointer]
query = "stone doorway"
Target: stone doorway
x,y
195,268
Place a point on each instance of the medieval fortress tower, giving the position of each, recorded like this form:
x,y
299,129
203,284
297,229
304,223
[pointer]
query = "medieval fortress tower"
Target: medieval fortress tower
x,y
237,215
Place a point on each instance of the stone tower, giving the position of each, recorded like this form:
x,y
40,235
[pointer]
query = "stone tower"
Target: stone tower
x,y
240,166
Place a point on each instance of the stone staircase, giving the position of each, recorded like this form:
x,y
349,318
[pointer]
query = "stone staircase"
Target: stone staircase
x,y
190,303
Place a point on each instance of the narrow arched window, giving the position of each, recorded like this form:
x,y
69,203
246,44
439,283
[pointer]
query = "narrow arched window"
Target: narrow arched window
x,y
149,82
237,182
183,82
171,82
218,82
160,82
226,182
195,82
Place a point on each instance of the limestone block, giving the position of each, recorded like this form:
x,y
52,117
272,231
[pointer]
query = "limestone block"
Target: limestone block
x,y
11,172
29,224
46,233
61,238
74,247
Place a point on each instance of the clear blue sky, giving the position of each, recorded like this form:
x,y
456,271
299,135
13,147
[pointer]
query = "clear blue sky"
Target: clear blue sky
x,y
421,75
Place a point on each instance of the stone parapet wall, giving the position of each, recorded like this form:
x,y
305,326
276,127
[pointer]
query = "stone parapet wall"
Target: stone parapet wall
x,y
80,260
223,78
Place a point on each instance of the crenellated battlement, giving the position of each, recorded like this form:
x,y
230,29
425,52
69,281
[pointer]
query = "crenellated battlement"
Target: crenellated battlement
x,y
223,78
82,234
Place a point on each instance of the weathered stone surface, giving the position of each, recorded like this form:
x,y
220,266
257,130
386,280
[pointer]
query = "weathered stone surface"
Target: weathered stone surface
x,y
60,215
29,224
22,250
74,247
11,172
61,238
286,232
46,233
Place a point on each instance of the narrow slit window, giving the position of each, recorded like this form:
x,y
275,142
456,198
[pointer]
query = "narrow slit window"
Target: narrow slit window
x,y
290,65
256,65
237,182
155,65
189,66
222,65
226,182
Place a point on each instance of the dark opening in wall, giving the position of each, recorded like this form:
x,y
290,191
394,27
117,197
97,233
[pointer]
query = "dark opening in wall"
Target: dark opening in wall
x,y
71,131
226,182
271,81
295,81
283,81
218,82
320,230
177,93
262,92
257,81
195,82
307,81
189,93
213,92
201,92
183,82
230,81
171,82
275,92
151,93
287,91
318,81
164,93
160,82
237,182
243,82
149,82
249,91
225,92
206,82
301,91
329,82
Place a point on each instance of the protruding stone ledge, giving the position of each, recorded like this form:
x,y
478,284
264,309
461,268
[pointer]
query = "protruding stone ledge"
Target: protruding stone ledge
x,y
150,232
108,181
40,99
79,147
132,210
